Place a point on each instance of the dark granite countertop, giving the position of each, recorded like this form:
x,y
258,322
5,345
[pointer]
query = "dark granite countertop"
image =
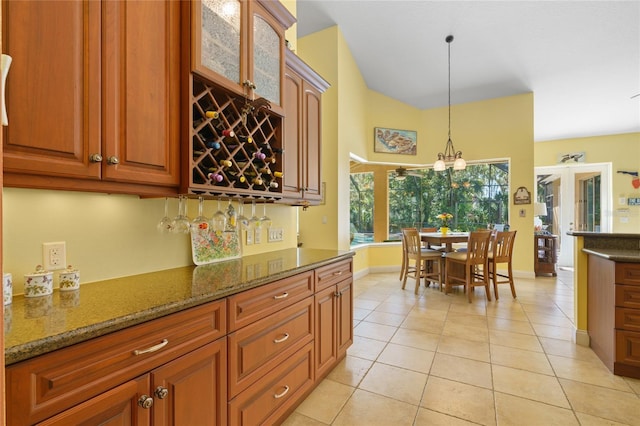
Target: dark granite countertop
x,y
38,325
616,247
617,255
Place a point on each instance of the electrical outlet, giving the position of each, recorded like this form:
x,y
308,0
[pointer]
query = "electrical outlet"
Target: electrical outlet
x,y
275,234
249,236
257,238
54,255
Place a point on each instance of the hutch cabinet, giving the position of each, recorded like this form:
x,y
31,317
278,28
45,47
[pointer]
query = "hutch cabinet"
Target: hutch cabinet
x,y
546,254
301,183
93,97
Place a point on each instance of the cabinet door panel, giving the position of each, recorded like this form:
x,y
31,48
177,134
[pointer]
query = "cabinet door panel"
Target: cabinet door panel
x,y
53,105
118,406
326,329
292,137
197,388
312,130
141,91
345,316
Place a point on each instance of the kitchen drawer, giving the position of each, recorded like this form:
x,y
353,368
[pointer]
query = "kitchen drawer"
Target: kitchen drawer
x,y
628,347
628,319
275,394
40,386
628,273
332,274
628,296
254,349
252,305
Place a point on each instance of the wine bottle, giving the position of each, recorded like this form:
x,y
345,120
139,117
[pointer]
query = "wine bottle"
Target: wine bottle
x,y
246,139
257,181
278,174
213,144
264,170
225,163
212,114
259,155
215,177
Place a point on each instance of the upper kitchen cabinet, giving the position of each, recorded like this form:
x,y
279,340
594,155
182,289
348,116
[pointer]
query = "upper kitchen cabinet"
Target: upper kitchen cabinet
x,y
240,45
301,181
93,96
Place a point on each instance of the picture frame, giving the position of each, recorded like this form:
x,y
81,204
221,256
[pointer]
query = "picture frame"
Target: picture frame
x,y
395,141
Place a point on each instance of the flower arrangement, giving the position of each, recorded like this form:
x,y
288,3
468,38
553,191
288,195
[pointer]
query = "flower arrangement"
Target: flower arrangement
x,y
445,218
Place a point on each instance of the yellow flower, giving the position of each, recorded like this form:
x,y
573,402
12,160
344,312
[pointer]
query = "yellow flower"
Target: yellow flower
x,y
445,218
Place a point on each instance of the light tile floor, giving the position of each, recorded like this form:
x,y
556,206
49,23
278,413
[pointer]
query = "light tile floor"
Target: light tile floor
x,y
435,359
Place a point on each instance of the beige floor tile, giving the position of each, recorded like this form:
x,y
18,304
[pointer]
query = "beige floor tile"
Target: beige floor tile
x,y
326,400
393,382
416,339
385,318
406,357
394,308
478,333
464,348
374,331
427,326
428,314
553,332
360,314
368,409
350,370
365,348
536,362
378,296
633,384
427,417
594,373
459,400
513,410
463,370
589,420
514,340
471,320
434,305
461,305
514,326
526,384
567,349
365,304
601,402
296,419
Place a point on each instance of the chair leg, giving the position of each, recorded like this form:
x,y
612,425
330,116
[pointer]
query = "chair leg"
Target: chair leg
x,y
403,270
419,266
511,283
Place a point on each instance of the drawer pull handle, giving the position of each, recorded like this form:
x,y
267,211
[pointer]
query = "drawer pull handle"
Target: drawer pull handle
x,y
337,273
282,339
152,348
282,296
161,392
283,393
145,402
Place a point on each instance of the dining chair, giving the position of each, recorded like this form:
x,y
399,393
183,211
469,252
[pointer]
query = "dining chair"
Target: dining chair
x,y
471,264
427,263
403,267
502,253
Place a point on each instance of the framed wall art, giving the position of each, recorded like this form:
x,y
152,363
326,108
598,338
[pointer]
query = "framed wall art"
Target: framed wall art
x,y
394,141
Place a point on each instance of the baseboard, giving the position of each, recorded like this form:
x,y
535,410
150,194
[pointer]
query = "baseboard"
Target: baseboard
x,y
582,338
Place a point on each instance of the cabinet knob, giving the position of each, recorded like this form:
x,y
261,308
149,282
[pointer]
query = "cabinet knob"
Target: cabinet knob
x,y
161,392
145,401
113,160
95,158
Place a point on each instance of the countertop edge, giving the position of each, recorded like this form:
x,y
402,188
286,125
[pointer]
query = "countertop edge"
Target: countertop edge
x,y
626,256
31,349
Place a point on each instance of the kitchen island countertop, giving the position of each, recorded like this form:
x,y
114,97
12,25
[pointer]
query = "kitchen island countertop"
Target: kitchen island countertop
x,y
34,326
616,247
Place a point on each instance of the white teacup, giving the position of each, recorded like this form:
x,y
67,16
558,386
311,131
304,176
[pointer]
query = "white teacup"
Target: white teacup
x,y
69,279
7,288
38,283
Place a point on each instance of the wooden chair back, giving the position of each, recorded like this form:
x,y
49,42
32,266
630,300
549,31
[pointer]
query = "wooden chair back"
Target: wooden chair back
x,y
411,238
478,247
503,246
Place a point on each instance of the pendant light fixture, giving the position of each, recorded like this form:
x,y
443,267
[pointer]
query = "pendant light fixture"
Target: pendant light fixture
x,y
450,154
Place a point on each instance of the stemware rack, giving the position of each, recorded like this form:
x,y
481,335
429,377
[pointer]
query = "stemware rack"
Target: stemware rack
x,y
235,149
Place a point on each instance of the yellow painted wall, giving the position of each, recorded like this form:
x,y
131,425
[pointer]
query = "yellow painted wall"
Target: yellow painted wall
x,y
107,236
622,151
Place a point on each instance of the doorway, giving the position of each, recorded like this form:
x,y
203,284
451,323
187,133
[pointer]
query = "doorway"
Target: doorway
x,y
578,197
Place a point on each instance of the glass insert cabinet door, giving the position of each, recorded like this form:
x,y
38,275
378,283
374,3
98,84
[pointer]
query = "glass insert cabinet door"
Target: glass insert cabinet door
x,y
235,43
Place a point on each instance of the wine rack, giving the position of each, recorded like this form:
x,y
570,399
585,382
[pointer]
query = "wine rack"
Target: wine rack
x,y
236,145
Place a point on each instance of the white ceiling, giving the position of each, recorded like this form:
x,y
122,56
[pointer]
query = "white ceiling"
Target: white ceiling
x,y
581,59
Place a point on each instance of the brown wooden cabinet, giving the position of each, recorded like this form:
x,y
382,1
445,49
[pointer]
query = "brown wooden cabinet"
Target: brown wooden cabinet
x,y
93,97
301,183
334,315
613,314
546,254
240,46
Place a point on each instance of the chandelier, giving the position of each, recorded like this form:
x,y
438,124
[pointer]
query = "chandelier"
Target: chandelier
x,y
450,154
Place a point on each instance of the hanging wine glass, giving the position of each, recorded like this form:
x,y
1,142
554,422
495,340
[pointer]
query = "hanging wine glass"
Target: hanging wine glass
x,y
265,220
166,223
200,223
243,221
219,219
181,223
231,217
254,222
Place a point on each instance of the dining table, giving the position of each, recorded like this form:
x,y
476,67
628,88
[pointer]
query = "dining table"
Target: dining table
x,y
447,240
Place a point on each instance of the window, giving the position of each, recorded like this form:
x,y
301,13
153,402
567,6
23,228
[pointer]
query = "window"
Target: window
x,y
476,197
361,207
